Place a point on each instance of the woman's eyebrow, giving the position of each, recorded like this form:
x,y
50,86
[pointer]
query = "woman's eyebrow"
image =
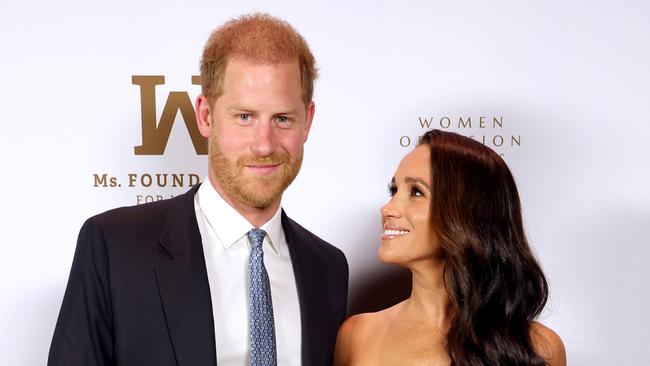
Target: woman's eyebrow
x,y
417,180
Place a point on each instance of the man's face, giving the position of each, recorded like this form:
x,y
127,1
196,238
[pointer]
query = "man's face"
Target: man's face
x,y
259,126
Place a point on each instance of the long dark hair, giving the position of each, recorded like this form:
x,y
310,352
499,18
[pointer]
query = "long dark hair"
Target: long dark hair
x,y
495,285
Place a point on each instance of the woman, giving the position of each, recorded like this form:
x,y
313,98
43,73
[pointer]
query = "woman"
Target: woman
x,y
454,221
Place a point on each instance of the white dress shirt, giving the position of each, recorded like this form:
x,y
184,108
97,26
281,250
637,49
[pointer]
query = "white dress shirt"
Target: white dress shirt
x,y
226,248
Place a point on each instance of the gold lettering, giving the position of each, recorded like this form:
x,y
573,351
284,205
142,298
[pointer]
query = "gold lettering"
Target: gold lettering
x,y
161,183
515,140
497,140
140,199
425,123
177,180
194,179
405,141
155,135
148,178
100,181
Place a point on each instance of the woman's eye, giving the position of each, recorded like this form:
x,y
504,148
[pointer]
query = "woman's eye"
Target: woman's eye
x,y
392,189
416,192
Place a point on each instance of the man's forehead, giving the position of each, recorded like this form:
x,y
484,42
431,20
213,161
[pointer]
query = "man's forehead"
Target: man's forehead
x,y
244,72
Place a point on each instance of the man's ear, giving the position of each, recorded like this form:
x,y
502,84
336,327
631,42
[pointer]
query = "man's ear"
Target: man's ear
x,y
204,118
310,117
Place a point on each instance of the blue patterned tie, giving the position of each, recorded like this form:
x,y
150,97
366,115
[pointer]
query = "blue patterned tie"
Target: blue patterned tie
x,y
260,308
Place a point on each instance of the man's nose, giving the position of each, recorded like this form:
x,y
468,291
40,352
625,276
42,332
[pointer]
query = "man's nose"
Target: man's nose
x,y
264,139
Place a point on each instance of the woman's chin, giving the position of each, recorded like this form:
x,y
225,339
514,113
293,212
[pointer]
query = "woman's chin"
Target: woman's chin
x,y
387,253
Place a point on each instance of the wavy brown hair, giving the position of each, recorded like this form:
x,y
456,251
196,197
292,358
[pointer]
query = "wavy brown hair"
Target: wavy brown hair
x,y
496,287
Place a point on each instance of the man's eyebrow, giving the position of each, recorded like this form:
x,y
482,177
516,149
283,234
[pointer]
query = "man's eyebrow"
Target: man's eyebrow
x,y
288,111
417,180
242,108
238,108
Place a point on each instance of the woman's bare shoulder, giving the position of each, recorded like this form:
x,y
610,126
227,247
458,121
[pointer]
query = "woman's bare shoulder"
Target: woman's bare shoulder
x,y
360,324
357,331
350,334
548,344
367,322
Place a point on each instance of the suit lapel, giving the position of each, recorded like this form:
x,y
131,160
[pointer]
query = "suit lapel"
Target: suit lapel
x,y
183,284
312,309
185,291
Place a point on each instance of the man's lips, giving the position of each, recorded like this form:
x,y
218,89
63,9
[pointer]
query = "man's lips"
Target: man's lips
x,y
263,168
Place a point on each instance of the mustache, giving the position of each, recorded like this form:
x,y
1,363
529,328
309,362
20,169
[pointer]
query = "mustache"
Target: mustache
x,y
274,159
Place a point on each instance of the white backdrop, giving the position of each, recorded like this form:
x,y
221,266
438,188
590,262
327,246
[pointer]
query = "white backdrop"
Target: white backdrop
x,y
568,80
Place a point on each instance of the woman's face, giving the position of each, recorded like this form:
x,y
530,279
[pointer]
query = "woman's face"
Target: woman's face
x,y
408,237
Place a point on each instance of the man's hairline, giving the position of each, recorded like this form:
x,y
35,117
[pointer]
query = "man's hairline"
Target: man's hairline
x,y
213,100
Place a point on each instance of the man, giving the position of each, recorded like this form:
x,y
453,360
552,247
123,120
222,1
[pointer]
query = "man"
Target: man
x,y
219,274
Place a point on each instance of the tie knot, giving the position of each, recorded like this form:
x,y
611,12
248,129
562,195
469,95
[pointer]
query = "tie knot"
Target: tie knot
x,y
256,237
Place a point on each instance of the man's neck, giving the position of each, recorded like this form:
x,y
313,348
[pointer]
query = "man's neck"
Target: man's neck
x,y
256,216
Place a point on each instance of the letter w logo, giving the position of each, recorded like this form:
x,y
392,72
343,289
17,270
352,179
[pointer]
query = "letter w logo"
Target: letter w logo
x,y
156,134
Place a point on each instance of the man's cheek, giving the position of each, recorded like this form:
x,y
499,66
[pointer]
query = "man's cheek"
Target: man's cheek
x,y
294,145
232,150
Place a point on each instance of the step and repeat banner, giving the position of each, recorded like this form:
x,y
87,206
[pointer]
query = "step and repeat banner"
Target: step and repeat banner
x,y
97,112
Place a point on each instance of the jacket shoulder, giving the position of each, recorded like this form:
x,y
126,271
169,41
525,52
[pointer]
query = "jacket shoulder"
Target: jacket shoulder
x,y
132,216
140,222
315,243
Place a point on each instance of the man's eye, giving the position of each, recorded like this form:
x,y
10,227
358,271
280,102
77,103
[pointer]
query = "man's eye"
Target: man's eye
x,y
244,116
283,119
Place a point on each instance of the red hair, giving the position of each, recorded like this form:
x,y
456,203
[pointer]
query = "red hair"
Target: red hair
x,y
258,38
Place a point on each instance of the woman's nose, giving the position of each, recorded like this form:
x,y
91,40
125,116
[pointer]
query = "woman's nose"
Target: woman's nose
x,y
389,209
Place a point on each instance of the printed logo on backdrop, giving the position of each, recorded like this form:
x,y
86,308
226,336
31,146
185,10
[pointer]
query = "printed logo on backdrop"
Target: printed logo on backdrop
x,y
155,137
488,130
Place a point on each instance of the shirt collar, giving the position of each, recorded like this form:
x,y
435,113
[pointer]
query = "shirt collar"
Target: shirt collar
x,y
228,224
274,232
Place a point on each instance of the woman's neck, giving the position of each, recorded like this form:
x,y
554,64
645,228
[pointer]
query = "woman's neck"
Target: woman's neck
x,y
429,301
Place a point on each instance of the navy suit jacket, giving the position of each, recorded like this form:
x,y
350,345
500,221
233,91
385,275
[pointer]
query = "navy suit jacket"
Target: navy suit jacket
x,y
138,292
